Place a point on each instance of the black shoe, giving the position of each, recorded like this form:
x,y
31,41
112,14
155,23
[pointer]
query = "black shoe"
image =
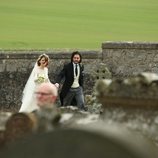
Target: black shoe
x,y
84,108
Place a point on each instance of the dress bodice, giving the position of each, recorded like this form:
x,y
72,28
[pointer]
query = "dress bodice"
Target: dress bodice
x,y
41,73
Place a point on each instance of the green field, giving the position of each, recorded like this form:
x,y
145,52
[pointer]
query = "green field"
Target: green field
x,y
81,24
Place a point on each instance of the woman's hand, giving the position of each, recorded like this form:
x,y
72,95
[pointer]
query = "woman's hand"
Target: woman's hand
x,y
57,85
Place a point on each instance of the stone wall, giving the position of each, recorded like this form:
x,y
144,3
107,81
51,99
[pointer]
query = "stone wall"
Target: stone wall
x,y
123,59
128,58
16,66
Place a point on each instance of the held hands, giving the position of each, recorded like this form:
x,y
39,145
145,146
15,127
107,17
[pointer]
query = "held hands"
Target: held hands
x,y
57,85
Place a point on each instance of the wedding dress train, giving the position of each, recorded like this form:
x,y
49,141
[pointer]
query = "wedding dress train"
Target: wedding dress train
x,y
28,98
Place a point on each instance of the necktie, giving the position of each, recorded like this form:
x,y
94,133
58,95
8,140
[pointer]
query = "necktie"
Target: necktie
x,y
76,70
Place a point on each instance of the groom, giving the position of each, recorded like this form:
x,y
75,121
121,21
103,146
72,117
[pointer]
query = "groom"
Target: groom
x,y
72,86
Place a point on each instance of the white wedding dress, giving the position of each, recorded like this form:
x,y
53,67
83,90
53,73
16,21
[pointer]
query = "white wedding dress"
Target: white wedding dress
x,y
28,98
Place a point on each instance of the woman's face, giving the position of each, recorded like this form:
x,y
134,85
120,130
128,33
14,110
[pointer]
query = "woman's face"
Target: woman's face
x,y
43,61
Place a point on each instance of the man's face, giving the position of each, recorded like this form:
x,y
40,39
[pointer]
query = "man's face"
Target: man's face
x,y
44,98
76,59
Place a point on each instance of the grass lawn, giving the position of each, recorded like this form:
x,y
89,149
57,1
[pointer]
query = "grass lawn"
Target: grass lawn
x,y
81,24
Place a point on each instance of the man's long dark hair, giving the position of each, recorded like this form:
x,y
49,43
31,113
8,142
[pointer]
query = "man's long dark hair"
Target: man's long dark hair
x,y
78,53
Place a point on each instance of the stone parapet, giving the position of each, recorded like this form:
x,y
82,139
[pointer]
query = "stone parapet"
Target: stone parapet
x,y
130,45
120,59
126,59
16,66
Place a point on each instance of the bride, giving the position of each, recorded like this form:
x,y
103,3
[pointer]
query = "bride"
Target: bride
x,y
38,75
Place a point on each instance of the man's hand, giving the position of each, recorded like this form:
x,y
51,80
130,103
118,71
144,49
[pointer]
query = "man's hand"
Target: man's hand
x,y
57,85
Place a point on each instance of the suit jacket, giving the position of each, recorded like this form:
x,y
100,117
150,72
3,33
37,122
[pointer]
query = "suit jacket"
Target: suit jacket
x,y
67,73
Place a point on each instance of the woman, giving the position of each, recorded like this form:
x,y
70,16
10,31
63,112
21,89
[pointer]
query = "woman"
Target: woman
x,y
38,75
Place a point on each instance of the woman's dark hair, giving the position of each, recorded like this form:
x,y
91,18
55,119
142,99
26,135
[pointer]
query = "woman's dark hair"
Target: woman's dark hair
x,y
43,56
78,53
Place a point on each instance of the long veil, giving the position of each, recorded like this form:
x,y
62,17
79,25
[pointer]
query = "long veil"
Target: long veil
x,y
28,92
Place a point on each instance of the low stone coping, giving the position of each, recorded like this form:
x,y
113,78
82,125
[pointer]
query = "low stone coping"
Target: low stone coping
x,y
129,45
33,54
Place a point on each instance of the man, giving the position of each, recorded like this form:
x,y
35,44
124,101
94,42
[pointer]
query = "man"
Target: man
x,y
46,95
47,115
72,86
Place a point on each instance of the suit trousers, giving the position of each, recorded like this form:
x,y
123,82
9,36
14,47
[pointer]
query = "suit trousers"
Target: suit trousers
x,y
77,94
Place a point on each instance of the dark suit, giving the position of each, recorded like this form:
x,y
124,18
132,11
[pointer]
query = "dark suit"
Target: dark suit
x,y
68,74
